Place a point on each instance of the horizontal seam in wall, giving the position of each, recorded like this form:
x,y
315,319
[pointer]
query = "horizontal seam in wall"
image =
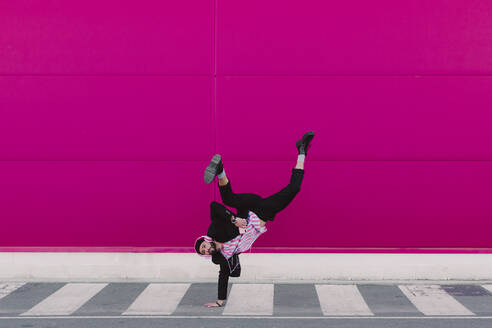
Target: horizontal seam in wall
x,y
109,75
256,250
356,75
248,75
248,161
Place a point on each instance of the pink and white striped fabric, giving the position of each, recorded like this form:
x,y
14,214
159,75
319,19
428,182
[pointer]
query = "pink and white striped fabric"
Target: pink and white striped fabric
x,y
243,242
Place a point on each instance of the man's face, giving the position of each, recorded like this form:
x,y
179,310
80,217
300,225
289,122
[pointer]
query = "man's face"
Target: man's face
x,y
207,248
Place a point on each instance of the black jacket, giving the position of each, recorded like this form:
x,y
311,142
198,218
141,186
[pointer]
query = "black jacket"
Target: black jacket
x,y
222,230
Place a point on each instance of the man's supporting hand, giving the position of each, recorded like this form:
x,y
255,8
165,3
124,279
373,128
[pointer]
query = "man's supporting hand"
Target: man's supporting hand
x,y
218,303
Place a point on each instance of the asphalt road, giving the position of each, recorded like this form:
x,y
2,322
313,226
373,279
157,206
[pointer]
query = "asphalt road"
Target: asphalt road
x,y
82,322
248,305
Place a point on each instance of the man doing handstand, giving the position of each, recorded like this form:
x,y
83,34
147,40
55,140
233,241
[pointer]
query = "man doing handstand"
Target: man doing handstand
x,y
231,234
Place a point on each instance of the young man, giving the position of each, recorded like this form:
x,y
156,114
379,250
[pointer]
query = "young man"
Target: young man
x,y
231,234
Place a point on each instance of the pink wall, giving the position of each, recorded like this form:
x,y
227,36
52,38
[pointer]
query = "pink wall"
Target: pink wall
x,y
110,111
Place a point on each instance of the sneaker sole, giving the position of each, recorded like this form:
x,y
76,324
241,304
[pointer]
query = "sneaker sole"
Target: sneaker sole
x,y
211,170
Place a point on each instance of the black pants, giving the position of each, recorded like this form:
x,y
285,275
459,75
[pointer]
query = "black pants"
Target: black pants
x,y
265,208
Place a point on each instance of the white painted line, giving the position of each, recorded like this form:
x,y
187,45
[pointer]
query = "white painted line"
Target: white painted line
x,y
488,287
342,300
66,300
158,299
7,288
440,318
433,300
250,299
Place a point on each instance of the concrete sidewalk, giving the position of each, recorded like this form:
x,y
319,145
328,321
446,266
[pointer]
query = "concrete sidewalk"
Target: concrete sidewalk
x,y
256,267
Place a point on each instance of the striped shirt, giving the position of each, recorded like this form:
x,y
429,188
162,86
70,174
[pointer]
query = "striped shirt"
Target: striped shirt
x,y
243,242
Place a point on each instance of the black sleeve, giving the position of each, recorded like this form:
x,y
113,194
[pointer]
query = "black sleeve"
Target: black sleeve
x,y
219,212
223,281
223,276
212,231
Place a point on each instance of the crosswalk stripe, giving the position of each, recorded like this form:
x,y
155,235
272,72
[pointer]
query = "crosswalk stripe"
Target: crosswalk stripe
x,y
7,288
433,300
244,299
342,300
158,299
488,287
250,299
66,300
